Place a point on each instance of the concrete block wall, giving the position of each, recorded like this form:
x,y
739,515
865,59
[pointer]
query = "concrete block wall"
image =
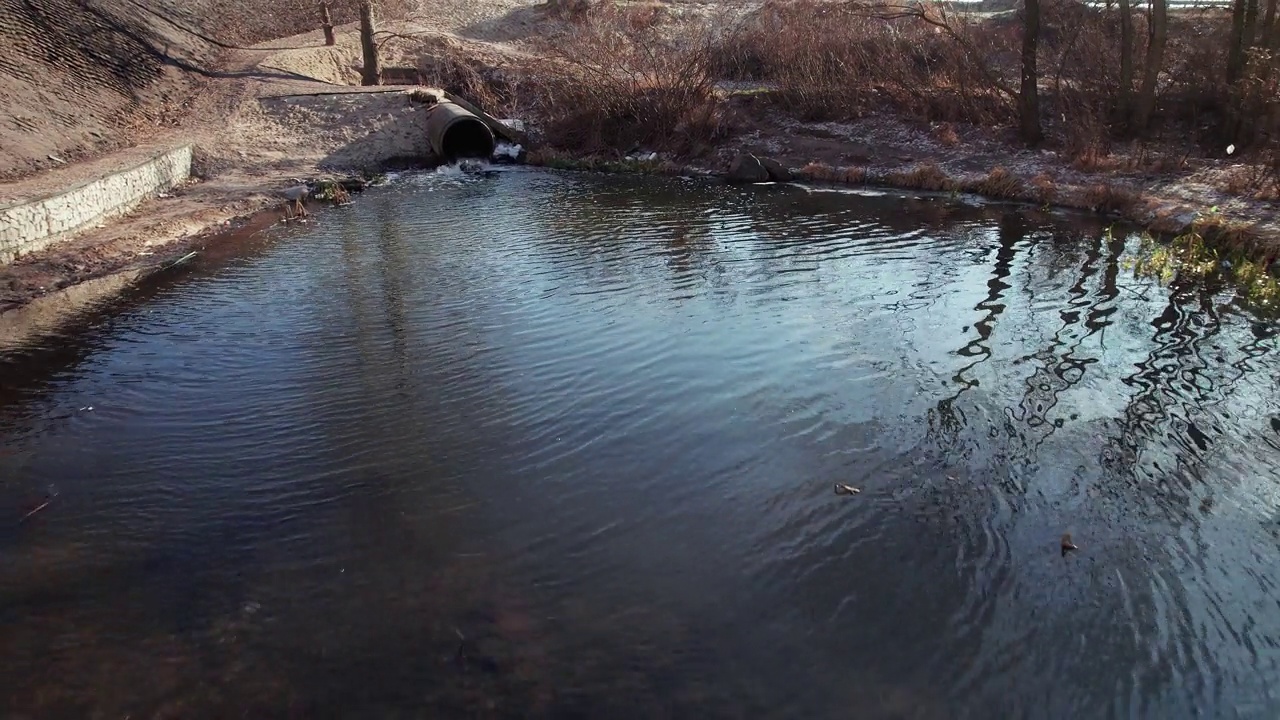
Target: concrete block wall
x,y
34,225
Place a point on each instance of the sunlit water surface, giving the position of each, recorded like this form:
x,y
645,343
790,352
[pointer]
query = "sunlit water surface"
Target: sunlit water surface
x,y
525,444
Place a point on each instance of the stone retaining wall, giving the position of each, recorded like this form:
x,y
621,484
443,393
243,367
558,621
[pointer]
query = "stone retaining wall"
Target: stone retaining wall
x,y
37,224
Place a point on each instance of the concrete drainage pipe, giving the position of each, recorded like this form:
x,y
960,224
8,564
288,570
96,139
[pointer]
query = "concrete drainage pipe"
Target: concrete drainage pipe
x,y
455,133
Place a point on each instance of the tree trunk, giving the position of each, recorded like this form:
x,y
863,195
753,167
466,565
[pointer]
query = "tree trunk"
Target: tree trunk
x,y
1146,104
1235,52
1250,25
1124,103
371,74
1270,33
1029,93
326,22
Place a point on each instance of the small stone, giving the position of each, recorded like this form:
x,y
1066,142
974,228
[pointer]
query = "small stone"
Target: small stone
x,y
777,172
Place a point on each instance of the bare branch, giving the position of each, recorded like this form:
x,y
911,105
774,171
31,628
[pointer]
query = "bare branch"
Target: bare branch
x,y
901,11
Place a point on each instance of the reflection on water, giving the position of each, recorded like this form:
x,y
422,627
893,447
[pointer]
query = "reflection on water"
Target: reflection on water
x,y
537,445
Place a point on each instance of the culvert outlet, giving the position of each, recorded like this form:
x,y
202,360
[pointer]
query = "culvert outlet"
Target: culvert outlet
x,y
456,134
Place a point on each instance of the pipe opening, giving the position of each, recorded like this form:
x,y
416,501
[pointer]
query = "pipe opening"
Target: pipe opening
x,y
467,137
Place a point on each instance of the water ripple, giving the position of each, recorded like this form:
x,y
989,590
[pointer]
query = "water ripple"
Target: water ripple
x,y
591,425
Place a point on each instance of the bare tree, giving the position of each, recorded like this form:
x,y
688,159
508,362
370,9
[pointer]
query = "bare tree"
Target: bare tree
x,y
1235,52
1270,36
1029,92
1124,104
326,22
1159,36
1250,23
371,73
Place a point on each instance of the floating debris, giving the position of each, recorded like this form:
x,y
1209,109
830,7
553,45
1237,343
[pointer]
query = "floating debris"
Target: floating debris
x,y
1067,545
37,509
846,489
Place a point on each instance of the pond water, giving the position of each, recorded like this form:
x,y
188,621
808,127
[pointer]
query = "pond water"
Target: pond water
x,y
527,444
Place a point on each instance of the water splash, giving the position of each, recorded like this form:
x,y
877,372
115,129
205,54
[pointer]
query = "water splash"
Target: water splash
x,y
455,174
508,151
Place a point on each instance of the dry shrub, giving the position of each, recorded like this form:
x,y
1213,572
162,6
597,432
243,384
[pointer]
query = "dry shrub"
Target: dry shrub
x,y
1046,190
927,176
423,97
1106,197
1236,237
839,60
640,18
1166,164
1086,139
945,134
448,64
635,17
999,183
571,10
1091,158
611,83
1196,93
819,172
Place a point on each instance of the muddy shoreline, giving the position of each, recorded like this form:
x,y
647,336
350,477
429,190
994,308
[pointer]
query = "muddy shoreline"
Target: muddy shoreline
x,y
36,313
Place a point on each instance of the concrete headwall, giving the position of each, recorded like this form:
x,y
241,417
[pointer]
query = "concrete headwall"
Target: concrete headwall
x,y
34,225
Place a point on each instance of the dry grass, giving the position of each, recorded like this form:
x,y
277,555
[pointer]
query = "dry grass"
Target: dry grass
x,y
1259,182
945,134
819,172
1111,198
1235,237
1044,189
927,176
1000,184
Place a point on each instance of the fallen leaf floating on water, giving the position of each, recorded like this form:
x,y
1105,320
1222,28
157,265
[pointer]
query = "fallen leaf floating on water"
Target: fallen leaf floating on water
x,y
846,489
1067,545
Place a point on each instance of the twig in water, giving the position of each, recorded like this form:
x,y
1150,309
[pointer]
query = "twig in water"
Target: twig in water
x,y
40,507
182,259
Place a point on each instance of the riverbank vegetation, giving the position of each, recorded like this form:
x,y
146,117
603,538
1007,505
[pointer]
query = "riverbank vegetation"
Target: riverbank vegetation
x,y
1086,80
1098,101
1130,108
1205,254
